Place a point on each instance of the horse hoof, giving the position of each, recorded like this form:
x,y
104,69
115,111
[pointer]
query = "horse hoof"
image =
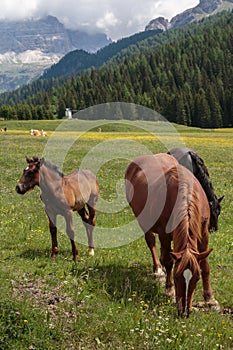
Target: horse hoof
x,y
213,305
160,276
170,293
91,252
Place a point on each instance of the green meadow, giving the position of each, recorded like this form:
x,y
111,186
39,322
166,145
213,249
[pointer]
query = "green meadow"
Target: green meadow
x,y
111,300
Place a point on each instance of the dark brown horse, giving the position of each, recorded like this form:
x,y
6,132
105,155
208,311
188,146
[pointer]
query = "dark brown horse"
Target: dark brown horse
x,y
168,200
191,160
62,195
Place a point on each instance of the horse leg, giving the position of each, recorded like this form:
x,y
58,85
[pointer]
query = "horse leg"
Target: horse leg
x,y
90,228
157,267
207,290
71,234
167,262
53,232
205,271
89,222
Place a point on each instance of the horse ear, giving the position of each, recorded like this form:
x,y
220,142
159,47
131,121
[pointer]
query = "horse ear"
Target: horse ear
x,y
176,256
35,159
203,255
28,160
220,199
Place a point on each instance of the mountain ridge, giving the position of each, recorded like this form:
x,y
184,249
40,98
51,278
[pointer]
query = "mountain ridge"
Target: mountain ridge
x,y
40,42
20,66
78,60
82,60
203,9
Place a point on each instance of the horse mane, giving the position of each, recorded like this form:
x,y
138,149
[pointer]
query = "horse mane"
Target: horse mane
x,y
190,224
51,166
203,176
187,210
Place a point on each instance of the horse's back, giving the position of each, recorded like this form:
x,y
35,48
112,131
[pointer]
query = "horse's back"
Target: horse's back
x,y
154,185
85,177
149,166
145,184
81,185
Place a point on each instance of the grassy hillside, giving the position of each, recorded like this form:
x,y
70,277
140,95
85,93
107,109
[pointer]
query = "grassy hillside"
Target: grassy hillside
x,y
109,301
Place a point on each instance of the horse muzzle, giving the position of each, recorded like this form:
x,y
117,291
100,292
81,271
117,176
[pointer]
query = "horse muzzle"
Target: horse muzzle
x,y
20,189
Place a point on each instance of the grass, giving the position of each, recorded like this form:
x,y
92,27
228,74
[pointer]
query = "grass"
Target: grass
x,y
109,301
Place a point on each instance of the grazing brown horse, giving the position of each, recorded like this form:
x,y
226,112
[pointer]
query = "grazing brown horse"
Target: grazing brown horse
x,y
168,200
62,195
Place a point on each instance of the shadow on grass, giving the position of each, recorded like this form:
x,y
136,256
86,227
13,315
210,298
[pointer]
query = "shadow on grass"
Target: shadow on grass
x,y
132,282
124,284
33,253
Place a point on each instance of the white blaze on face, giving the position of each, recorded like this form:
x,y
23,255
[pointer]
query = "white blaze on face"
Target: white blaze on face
x,y
187,276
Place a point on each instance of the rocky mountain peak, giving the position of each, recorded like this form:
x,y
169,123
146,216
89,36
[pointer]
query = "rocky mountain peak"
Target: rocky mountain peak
x,y
158,23
204,8
48,35
27,47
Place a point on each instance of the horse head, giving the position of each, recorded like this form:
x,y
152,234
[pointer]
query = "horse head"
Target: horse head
x,y
30,176
187,273
215,210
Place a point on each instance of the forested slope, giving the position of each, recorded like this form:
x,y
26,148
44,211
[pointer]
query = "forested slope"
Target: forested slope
x,y
79,60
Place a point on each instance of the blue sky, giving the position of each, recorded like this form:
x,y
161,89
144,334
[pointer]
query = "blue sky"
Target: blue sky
x,y
116,18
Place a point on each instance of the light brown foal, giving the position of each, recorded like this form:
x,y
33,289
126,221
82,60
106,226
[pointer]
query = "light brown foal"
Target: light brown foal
x,y
61,195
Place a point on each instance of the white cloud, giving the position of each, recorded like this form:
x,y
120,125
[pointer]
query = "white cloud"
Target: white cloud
x,y
117,18
17,9
107,21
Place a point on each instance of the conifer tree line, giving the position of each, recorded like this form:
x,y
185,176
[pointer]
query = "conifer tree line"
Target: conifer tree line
x,y
188,78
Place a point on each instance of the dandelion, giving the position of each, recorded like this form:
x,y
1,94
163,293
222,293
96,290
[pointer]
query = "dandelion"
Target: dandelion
x,y
25,321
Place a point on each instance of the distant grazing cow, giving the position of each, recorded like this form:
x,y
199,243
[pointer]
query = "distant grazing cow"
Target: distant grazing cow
x,y
35,132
